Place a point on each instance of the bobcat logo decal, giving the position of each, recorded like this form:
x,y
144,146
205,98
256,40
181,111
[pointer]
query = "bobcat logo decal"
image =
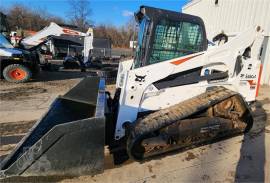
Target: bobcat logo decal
x,y
140,78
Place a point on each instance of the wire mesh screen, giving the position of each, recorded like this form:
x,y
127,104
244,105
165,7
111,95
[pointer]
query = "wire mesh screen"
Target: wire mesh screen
x,y
175,39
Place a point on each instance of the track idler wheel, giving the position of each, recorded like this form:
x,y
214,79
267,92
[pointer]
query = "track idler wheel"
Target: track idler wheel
x,y
134,147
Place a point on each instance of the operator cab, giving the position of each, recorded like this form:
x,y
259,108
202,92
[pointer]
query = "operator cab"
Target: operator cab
x,y
164,35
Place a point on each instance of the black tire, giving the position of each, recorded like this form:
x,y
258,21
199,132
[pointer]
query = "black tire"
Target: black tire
x,y
17,73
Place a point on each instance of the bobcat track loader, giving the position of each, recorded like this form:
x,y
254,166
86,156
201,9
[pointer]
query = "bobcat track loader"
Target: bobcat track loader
x,y
175,94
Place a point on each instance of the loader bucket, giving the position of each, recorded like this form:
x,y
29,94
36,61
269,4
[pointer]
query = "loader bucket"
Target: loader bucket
x,y
68,139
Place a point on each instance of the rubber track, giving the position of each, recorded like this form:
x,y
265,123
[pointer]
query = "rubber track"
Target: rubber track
x,y
170,115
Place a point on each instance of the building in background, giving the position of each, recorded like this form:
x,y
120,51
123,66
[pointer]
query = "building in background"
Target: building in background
x,y
232,17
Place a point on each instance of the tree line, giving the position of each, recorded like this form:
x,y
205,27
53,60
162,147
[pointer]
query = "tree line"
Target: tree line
x,y
21,17
120,36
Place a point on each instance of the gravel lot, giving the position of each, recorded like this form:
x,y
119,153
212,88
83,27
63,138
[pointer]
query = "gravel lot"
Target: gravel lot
x,y
242,158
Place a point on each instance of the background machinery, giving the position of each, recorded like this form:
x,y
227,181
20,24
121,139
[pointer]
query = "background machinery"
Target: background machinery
x,y
41,41
34,49
175,94
16,65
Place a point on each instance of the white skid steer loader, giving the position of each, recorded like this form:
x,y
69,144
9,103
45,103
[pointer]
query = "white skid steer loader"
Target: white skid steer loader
x,y
175,94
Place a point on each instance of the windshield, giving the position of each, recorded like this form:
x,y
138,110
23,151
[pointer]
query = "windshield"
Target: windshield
x,y
4,42
170,39
141,42
175,38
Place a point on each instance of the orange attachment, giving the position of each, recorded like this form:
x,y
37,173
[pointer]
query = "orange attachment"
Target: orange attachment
x,y
17,74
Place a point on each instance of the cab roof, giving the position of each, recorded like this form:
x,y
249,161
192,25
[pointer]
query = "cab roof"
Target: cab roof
x,y
156,14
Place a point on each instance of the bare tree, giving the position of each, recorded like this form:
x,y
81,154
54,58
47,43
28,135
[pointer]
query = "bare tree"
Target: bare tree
x,y
131,29
3,9
22,17
80,13
120,36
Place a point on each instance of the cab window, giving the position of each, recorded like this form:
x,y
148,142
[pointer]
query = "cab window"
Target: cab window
x,y
140,52
174,39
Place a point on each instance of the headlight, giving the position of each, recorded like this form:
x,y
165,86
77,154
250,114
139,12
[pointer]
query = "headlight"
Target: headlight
x,y
17,56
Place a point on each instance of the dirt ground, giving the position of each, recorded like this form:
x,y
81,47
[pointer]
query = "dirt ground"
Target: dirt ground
x,y
243,158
